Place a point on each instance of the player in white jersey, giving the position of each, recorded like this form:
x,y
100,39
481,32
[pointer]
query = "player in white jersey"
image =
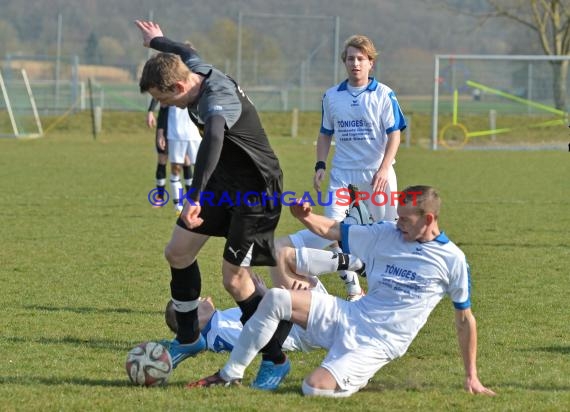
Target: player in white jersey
x,y
411,266
183,143
161,144
365,119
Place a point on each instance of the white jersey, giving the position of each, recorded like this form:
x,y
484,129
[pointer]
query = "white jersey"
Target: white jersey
x,y
406,280
360,123
180,127
223,329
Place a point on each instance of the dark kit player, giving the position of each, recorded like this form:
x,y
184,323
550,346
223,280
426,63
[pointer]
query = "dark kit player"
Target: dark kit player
x,y
234,156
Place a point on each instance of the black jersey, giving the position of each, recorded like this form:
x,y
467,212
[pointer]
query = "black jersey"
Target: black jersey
x,y
245,160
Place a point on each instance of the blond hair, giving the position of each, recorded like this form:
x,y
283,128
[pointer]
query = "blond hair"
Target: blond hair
x,y
162,71
424,198
362,43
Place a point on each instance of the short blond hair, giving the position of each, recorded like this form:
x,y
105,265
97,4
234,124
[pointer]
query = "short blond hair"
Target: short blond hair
x,y
362,43
424,198
162,71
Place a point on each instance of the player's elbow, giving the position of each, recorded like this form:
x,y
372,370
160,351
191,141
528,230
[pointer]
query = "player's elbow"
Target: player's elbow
x,y
464,319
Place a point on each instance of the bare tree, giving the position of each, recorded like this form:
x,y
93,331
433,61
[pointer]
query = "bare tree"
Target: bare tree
x,y
550,19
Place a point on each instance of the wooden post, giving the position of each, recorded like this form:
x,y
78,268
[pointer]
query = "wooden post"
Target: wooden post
x,y
295,122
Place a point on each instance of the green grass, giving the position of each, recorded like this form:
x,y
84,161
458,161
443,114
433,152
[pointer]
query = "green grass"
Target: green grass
x,y
83,278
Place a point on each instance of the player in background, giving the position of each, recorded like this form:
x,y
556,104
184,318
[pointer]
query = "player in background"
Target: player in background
x,y
365,119
235,157
411,266
183,143
161,143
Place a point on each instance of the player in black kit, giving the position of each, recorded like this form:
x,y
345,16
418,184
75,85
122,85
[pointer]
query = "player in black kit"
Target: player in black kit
x,y
235,193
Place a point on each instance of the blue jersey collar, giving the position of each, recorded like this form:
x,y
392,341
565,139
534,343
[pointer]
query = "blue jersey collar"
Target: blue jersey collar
x,y
442,238
372,85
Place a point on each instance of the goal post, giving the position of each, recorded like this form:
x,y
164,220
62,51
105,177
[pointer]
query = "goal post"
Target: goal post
x,y
18,112
499,102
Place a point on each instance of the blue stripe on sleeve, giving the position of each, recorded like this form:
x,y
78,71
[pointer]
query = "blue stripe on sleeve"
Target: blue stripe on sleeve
x,y
324,130
399,119
467,303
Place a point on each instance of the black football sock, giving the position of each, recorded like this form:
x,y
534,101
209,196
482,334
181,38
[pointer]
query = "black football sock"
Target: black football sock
x,y
185,286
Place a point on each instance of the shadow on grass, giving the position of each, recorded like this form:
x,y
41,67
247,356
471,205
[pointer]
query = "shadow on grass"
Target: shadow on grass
x,y
76,342
84,310
36,380
564,350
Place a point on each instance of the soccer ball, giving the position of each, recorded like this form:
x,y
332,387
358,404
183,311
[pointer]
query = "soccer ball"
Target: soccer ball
x,y
149,364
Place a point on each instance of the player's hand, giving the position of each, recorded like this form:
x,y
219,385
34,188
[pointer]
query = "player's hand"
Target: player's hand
x,y
301,209
380,181
149,31
150,120
318,179
298,285
190,215
474,386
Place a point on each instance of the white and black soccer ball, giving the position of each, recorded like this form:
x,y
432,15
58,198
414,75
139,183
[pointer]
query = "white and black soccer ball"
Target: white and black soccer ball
x,y
149,364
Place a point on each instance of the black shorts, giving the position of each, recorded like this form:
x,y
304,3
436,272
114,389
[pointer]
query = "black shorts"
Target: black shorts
x,y
248,221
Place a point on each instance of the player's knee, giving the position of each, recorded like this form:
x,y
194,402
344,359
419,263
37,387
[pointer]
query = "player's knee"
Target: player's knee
x,y
175,258
232,284
175,168
286,257
169,254
276,303
281,243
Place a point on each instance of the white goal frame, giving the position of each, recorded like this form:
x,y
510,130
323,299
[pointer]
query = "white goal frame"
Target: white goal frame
x,y
460,57
12,115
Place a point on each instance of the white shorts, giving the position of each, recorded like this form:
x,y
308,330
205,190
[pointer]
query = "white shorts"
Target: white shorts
x,y
297,340
352,358
380,205
336,208
178,149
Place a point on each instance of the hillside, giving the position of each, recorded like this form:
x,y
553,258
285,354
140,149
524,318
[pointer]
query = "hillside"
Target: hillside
x,y
283,43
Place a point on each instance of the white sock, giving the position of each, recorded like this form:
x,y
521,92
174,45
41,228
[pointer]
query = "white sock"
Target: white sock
x,y
349,277
315,262
176,189
257,331
351,282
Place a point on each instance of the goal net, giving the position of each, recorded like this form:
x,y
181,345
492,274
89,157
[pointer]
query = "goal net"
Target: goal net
x,y
18,113
500,102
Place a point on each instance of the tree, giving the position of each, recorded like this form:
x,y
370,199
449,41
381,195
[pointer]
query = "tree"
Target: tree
x,y
10,40
91,49
550,19
110,50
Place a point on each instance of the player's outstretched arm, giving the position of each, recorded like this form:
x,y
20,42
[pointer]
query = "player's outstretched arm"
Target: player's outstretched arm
x,y
149,31
467,336
320,225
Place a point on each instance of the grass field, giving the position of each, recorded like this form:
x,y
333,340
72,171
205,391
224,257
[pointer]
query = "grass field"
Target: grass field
x,y
83,278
